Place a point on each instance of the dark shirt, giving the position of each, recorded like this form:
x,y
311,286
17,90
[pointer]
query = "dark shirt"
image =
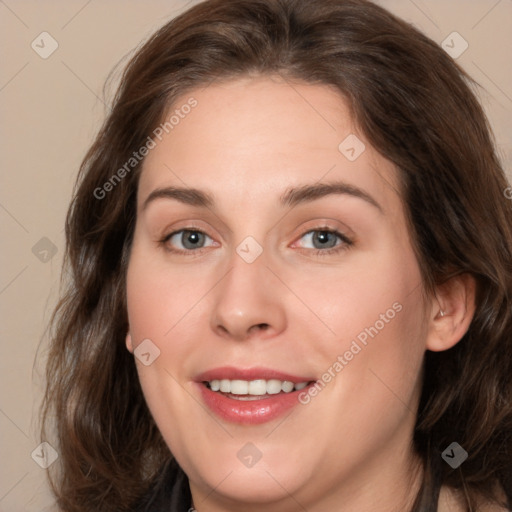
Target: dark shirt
x,y
169,493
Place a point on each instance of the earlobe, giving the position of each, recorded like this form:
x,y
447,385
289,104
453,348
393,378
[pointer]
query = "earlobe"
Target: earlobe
x,y
452,312
129,344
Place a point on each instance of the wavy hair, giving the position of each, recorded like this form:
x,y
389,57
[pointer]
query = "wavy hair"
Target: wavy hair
x,y
417,107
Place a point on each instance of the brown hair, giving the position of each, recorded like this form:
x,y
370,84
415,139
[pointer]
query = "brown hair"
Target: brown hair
x,y
416,107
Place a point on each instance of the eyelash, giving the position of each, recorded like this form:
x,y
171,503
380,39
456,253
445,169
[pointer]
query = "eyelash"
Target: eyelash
x,y
345,245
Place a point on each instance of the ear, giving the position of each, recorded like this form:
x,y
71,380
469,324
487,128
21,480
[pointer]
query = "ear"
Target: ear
x,y
451,313
129,344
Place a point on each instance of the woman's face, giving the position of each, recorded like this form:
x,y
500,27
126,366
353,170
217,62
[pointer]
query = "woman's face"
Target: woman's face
x,y
271,253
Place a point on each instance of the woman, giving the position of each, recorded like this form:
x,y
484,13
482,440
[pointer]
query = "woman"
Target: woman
x,y
291,281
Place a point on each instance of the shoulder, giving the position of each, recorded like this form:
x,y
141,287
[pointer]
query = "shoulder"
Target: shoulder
x,y
169,492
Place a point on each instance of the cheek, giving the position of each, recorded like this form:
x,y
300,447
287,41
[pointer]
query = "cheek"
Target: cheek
x,y
364,295
373,333
160,296
371,368
158,302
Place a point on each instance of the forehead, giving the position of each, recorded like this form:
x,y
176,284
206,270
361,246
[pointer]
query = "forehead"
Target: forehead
x,y
262,135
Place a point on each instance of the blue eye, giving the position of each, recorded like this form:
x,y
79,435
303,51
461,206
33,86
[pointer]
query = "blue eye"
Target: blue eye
x,y
326,240
187,240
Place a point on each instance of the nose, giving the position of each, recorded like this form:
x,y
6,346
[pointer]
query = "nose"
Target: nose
x,y
248,302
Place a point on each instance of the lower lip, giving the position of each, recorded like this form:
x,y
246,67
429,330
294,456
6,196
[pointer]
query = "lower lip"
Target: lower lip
x,y
249,412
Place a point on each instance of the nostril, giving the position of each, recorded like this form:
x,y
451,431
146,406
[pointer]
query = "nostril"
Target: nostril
x,y
259,327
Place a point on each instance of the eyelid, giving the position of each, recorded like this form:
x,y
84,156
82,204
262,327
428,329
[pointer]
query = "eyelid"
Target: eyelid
x,y
325,224
336,232
176,232
188,225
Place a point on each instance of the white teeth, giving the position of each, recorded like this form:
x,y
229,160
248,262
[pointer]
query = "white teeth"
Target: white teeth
x,y
287,386
225,386
257,387
274,386
239,387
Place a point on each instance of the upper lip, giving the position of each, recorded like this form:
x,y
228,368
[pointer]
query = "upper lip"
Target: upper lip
x,y
232,373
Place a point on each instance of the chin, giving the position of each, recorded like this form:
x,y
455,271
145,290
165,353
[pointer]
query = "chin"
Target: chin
x,y
251,485
242,471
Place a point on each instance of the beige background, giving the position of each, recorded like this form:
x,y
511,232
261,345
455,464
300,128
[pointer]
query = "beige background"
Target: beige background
x,y
50,111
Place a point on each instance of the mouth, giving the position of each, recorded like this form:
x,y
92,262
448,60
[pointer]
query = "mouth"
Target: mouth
x,y
257,389
251,396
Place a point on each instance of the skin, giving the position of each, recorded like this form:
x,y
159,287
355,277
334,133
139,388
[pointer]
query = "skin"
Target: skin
x,y
248,141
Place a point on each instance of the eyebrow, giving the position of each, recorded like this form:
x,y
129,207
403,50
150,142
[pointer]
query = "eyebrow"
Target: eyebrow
x,y
291,197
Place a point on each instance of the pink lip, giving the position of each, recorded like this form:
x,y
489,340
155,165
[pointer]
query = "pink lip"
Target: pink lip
x,y
231,373
251,412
